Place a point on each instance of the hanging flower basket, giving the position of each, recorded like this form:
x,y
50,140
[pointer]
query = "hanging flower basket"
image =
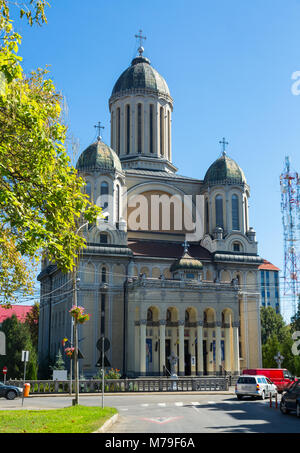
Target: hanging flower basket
x,y
70,352
78,314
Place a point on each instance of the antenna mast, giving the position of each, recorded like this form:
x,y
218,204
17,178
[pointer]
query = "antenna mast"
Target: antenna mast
x,y
290,209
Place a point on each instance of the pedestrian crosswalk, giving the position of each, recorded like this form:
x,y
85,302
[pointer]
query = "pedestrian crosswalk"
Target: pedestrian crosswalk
x,y
175,403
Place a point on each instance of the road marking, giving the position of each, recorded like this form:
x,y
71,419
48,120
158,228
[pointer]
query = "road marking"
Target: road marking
x,y
211,402
161,404
179,404
195,403
161,420
144,405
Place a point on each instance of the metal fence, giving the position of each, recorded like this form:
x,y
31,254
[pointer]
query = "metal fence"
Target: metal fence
x,y
128,385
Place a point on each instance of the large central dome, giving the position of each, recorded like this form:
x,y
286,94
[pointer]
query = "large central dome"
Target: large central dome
x,y
140,76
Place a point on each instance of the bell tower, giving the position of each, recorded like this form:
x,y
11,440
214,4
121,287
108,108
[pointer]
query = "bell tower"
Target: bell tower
x,y
141,116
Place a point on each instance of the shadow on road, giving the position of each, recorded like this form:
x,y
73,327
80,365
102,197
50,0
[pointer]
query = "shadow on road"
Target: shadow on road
x,y
253,416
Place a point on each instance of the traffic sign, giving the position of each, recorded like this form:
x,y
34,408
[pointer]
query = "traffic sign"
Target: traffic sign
x,y
100,344
4,371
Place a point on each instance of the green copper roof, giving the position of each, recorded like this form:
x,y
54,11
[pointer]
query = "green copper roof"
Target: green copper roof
x,y
224,170
186,262
99,156
140,75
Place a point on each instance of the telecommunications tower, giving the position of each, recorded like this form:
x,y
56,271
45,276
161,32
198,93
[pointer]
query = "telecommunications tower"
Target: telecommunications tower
x,y
290,209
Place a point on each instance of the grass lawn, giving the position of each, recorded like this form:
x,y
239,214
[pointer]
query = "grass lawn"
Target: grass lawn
x,y
74,419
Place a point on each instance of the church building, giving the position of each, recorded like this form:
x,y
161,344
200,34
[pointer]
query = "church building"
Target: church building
x,y
172,267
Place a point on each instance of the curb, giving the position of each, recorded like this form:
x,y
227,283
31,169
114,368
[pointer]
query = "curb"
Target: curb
x,y
107,424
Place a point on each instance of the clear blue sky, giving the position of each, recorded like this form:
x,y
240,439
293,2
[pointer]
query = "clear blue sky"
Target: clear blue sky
x,y
228,65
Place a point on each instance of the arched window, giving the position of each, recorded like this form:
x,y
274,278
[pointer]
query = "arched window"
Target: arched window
x,y
139,128
237,247
151,128
88,190
149,315
235,212
103,238
169,315
162,131
104,188
117,203
219,211
127,129
206,216
103,275
112,144
169,135
118,131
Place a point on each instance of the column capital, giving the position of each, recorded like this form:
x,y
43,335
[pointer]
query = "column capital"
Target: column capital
x,y
199,323
143,322
236,324
162,322
181,323
218,323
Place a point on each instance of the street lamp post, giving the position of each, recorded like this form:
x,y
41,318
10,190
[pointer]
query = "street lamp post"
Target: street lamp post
x,y
75,300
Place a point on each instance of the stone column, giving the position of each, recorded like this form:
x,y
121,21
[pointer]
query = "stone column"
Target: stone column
x,y
227,348
210,351
218,348
162,346
181,347
200,348
236,351
143,324
174,347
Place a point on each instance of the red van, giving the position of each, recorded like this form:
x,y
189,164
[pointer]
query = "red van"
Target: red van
x,y
281,377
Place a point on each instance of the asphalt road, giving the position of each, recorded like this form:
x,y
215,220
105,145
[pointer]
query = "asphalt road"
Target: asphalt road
x,y
178,413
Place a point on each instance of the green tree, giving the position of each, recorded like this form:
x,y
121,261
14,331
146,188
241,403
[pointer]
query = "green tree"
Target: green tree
x,y
272,323
295,320
59,362
42,199
18,339
32,321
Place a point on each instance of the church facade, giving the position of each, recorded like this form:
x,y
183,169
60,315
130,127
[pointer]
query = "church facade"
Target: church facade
x,y
172,267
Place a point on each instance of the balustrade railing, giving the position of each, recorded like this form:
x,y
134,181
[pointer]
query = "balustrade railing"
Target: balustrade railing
x,y
127,385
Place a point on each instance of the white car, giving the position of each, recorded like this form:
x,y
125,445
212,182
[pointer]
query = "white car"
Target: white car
x,y
255,386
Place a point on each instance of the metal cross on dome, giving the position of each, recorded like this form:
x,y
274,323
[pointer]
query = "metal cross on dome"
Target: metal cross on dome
x,y
99,127
186,246
223,143
140,37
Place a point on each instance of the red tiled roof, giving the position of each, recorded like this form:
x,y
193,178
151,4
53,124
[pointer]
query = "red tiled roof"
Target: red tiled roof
x,y
161,249
267,266
19,310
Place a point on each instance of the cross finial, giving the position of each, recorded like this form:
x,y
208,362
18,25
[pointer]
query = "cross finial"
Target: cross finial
x,y
223,143
99,127
186,246
141,37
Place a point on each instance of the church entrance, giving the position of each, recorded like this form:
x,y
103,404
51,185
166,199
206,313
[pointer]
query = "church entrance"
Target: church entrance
x,y
187,359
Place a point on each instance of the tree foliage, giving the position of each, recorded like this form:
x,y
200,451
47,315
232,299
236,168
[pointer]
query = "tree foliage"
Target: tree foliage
x,y
42,200
18,339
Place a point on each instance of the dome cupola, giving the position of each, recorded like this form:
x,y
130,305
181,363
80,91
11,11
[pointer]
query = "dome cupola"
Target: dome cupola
x,y
140,77
98,156
224,171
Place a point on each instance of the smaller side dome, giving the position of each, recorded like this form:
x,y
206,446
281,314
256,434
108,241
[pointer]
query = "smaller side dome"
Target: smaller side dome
x,y
187,263
224,170
98,156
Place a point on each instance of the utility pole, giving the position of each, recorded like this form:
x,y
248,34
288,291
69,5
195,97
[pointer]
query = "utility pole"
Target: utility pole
x,y
76,374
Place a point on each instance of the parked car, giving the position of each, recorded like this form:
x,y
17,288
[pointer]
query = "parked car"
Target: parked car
x,y
10,392
290,400
281,377
255,386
